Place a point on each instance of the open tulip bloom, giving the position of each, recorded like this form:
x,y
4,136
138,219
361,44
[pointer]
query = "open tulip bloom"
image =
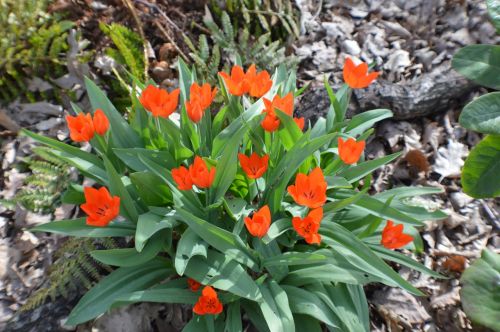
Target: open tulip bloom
x,y
237,211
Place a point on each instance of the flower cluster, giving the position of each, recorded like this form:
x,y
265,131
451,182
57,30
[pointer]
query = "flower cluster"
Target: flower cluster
x,y
198,174
200,99
224,199
256,84
159,102
83,127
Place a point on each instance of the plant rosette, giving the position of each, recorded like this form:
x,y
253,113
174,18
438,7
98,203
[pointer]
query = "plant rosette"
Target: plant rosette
x,y
234,208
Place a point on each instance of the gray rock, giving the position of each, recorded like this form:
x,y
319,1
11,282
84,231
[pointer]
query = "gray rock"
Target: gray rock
x,y
351,47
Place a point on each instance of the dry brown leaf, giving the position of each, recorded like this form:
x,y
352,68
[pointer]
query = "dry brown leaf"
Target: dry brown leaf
x,y
455,263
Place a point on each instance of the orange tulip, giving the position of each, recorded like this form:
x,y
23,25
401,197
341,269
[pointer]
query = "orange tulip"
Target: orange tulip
x,y
284,104
350,151
158,101
271,122
309,226
193,284
208,303
237,83
254,166
357,77
201,176
101,122
309,190
81,127
200,99
300,122
182,178
259,83
393,236
259,223
194,110
100,206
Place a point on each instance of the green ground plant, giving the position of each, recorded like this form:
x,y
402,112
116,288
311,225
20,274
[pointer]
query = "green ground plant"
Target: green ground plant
x,y
234,45
279,18
32,44
288,253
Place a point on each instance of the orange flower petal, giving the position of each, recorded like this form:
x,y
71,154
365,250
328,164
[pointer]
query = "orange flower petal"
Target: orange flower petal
x,y
357,77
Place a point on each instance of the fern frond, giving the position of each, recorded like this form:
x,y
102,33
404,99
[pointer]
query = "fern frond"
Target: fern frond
x,y
33,43
129,48
41,191
73,267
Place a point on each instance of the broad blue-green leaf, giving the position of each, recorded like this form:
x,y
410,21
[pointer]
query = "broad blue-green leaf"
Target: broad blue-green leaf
x,y
364,121
338,205
165,293
480,175
233,318
483,114
355,173
275,307
270,249
87,163
347,302
228,134
189,245
254,314
307,323
326,273
223,272
480,63
131,158
130,256
340,239
73,195
151,189
378,208
224,241
128,208
277,228
307,303
402,259
237,208
283,172
297,258
121,281
150,223
78,228
122,134
404,192
337,182
182,198
290,131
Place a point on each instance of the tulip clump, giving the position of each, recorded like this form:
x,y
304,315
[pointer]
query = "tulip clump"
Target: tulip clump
x,y
233,207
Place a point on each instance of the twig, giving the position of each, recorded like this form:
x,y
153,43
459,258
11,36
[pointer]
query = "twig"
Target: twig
x,y
171,40
155,7
7,122
162,29
194,23
138,23
490,214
